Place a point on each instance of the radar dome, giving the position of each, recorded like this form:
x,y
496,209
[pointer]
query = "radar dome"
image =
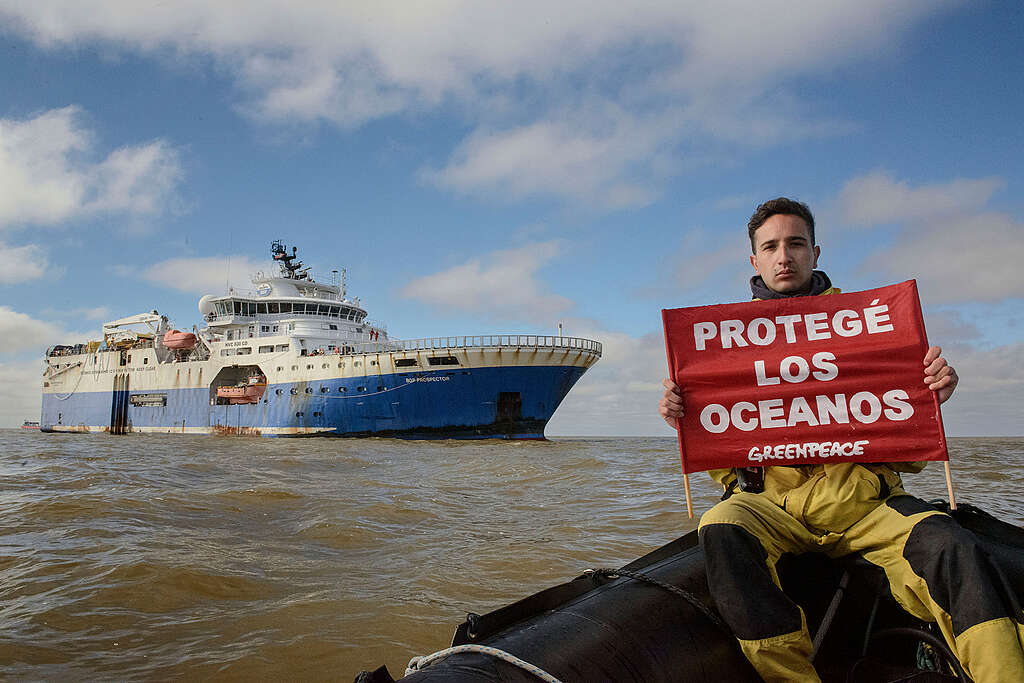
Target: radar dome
x,y
206,306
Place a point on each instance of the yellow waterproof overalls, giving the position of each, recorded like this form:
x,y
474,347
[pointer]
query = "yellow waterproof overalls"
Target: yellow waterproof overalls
x,y
936,569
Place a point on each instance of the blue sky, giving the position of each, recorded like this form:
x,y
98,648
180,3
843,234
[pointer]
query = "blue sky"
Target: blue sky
x,y
486,168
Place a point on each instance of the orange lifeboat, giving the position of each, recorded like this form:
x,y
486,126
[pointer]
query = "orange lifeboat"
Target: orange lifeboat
x,y
176,339
246,392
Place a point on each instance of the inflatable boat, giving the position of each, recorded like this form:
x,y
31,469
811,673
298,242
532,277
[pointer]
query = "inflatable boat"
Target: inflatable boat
x,y
653,620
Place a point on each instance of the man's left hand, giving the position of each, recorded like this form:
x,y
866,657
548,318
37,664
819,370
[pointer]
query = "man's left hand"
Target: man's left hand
x,y
939,375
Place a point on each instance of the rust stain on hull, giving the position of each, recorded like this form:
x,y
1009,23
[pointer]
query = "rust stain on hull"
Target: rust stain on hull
x,y
224,430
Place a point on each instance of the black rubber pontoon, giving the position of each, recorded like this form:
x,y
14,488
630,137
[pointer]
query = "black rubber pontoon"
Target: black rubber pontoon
x,y
660,625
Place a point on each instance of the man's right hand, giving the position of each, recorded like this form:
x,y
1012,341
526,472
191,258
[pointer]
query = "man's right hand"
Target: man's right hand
x,y
671,405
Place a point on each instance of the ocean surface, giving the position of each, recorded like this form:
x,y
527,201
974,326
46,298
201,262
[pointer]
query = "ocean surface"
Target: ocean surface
x,y
156,557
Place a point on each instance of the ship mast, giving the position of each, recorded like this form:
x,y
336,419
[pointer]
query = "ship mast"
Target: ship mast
x,y
289,270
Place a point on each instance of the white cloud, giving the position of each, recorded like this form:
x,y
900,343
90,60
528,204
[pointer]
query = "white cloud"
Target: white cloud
x,y
204,275
958,251
619,395
990,392
28,262
577,157
49,174
681,77
502,285
22,332
878,199
20,391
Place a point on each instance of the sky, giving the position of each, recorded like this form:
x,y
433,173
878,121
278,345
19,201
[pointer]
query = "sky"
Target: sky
x,y
486,168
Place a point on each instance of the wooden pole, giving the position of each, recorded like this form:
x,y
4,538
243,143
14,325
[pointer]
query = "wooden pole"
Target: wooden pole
x,y
949,487
689,500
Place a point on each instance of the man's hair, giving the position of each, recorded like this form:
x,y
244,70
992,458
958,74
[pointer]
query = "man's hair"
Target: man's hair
x,y
780,205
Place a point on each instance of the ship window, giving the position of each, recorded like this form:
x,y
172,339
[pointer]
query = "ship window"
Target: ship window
x,y
342,390
129,358
355,363
264,328
317,414
245,351
373,362
278,392
237,307
309,390
324,390
299,414
261,308
291,326
281,347
332,327
380,387
443,360
267,349
293,391
286,307
295,367
309,367
324,365
341,365
360,388
334,311
145,361
405,362
277,328
273,307
280,368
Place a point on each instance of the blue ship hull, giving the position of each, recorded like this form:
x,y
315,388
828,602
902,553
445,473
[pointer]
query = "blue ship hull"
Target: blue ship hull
x,y
512,402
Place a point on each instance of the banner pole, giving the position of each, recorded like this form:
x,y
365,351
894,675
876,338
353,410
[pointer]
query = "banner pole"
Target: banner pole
x,y
949,487
689,500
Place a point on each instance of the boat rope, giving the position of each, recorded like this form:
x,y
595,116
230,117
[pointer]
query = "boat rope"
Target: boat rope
x,y
72,392
676,590
420,663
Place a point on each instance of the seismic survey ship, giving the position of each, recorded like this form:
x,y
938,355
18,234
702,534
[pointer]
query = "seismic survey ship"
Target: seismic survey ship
x,y
297,357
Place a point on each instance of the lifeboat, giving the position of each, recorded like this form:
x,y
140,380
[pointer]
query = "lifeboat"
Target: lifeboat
x,y
176,339
250,391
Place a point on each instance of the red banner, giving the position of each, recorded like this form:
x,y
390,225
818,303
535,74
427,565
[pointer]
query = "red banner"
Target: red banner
x,y
804,380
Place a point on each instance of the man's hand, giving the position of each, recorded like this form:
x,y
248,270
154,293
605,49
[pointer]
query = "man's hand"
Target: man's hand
x,y
938,374
671,405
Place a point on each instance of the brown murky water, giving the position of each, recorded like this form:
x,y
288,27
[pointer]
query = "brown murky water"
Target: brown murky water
x,y
175,557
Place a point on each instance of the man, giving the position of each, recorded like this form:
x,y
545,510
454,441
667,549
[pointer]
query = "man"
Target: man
x,y
935,568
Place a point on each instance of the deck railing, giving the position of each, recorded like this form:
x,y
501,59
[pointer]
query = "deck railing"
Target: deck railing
x,y
516,341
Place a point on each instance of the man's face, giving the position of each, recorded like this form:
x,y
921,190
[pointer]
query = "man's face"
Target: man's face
x,y
783,254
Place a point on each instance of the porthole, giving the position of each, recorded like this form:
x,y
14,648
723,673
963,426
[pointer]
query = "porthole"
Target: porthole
x,y
278,392
294,391
324,390
309,390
